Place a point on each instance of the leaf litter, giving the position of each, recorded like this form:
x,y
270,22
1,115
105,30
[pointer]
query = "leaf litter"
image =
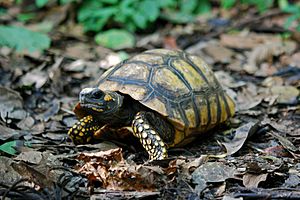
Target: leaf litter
x,y
256,153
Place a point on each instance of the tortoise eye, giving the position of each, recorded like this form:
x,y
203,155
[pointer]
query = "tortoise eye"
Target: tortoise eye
x,y
97,94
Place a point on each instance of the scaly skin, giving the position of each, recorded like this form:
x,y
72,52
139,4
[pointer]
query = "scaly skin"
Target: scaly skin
x,y
149,138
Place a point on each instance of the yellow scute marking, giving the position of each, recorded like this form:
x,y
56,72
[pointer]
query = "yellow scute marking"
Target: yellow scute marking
x,y
190,115
157,105
190,74
204,67
178,138
164,78
213,109
231,105
202,108
133,71
135,91
163,52
151,59
224,116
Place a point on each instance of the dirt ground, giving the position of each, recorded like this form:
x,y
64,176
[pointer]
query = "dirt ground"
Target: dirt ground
x,y
253,156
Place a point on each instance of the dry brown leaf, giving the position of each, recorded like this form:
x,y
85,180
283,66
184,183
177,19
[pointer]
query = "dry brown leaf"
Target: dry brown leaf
x,y
219,53
79,51
109,168
266,52
285,94
7,174
32,174
252,180
227,80
33,157
7,133
248,98
241,135
246,40
211,172
11,104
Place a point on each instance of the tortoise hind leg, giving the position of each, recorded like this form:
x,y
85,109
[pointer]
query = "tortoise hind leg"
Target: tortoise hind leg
x,y
151,129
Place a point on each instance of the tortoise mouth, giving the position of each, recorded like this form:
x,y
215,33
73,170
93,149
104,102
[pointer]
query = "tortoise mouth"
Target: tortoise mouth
x,y
98,107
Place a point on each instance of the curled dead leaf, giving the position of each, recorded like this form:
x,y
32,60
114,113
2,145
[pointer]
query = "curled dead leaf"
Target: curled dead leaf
x,y
109,168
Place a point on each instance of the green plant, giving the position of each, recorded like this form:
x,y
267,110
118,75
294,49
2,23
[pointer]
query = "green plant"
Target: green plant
x,y
23,39
294,10
260,5
130,14
183,11
284,5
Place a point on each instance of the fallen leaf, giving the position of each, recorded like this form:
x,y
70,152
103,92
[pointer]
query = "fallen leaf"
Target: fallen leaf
x,y
79,50
26,123
295,59
11,104
241,135
211,172
170,42
293,181
227,80
7,133
33,157
277,151
286,94
35,77
32,174
246,40
9,147
219,53
51,111
8,175
285,142
226,197
115,39
252,180
109,168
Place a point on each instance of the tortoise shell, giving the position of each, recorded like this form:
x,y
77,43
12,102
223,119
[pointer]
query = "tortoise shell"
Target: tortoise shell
x,y
175,84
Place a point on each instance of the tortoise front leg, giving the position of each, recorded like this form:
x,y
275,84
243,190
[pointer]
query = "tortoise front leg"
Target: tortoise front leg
x,y
84,130
149,135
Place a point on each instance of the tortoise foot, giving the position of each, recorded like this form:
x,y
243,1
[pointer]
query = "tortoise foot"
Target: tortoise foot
x,y
83,131
149,137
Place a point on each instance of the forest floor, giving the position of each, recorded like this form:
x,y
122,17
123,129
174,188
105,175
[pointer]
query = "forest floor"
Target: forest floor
x,y
255,156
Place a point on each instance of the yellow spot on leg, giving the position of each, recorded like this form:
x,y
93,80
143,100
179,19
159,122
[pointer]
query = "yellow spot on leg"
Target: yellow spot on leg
x,y
140,129
144,135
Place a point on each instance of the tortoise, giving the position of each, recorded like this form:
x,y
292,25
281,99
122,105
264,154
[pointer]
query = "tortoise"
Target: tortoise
x,y
169,97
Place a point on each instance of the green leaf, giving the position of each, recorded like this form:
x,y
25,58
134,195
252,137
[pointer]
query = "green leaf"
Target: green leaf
x,y
291,9
178,17
63,2
166,3
24,17
149,9
203,7
227,4
8,147
140,20
283,4
110,1
290,20
23,39
41,3
115,39
188,6
95,19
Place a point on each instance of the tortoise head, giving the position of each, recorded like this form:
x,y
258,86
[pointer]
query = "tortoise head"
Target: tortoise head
x,y
100,103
